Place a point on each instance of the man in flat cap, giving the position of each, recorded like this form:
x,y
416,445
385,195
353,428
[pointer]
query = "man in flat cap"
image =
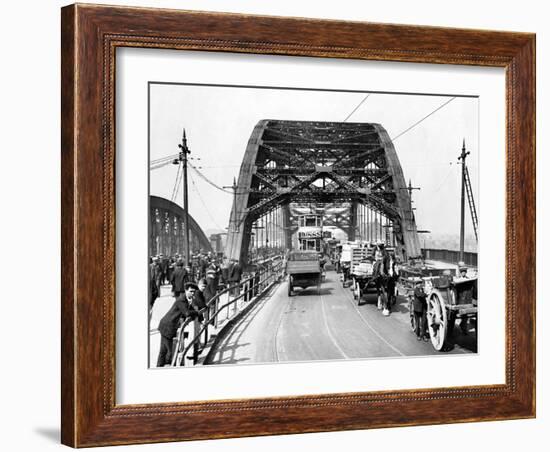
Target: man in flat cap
x,y
169,324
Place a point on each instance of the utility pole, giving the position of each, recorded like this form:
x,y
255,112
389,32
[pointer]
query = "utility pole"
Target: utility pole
x,y
462,157
410,217
410,189
182,158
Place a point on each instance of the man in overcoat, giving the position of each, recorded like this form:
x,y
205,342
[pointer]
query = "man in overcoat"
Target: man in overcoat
x,y
180,277
169,324
235,274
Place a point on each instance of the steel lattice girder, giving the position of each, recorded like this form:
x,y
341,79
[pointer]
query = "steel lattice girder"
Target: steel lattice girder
x,y
320,162
172,232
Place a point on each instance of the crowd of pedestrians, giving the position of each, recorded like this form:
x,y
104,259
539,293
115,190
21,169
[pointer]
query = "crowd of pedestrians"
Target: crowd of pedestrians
x,y
193,286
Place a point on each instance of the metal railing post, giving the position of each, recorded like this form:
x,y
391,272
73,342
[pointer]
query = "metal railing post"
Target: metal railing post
x,y
196,345
252,286
216,312
207,324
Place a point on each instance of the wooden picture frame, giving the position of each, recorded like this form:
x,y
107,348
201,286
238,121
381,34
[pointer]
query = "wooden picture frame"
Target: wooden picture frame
x,y
90,36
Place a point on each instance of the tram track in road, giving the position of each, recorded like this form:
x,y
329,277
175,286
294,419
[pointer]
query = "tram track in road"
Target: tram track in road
x,y
366,322
316,327
281,335
420,349
330,335
276,331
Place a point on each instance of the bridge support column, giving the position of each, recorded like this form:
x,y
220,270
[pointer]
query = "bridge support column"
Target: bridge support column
x,y
352,221
287,227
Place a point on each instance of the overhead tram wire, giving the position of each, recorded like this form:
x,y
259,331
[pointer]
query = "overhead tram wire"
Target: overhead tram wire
x,y
202,176
356,108
162,162
412,126
445,178
177,182
203,203
163,159
424,118
160,165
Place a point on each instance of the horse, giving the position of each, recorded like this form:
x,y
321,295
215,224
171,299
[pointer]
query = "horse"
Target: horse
x,y
385,289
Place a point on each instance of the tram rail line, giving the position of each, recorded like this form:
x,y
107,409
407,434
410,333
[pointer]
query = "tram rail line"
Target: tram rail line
x,y
366,322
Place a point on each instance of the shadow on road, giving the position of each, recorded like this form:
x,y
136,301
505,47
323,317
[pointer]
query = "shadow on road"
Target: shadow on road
x,y
467,341
312,291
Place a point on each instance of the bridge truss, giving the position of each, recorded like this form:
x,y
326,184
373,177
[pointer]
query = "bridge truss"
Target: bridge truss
x,y
166,229
349,172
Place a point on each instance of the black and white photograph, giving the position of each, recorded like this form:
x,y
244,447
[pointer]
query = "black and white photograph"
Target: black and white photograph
x,y
265,226
295,225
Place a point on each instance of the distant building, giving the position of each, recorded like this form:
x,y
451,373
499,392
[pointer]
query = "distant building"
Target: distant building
x,y
218,241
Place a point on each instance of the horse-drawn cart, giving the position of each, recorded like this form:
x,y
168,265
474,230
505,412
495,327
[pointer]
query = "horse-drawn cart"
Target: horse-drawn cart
x,y
448,298
362,272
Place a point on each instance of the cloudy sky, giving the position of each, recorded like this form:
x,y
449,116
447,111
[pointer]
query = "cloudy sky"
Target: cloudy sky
x,y
219,120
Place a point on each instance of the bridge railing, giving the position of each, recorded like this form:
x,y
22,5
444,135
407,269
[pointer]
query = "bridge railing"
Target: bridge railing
x,y
223,307
450,256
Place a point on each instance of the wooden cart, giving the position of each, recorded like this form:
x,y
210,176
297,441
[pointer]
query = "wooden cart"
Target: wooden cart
x,y
362,271
448,298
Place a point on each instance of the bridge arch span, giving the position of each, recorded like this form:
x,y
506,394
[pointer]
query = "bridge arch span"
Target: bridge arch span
x,y
321,164
166,229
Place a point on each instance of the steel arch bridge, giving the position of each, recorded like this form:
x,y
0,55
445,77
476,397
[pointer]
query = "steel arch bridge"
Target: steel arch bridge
x,y
166,229
347,172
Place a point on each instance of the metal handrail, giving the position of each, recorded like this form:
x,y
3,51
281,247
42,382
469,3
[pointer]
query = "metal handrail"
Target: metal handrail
x,y
258,280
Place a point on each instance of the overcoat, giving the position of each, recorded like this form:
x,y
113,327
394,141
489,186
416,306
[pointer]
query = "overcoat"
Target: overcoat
x,y
168,325
179,279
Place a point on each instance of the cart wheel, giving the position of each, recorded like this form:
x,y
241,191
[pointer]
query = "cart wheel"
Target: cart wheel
x,y
289,286
437,321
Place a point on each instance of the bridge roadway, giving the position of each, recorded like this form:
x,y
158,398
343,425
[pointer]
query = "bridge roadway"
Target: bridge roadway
x,y
307,327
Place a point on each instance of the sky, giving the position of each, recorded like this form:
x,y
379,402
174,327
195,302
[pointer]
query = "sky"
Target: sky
x,y
219,120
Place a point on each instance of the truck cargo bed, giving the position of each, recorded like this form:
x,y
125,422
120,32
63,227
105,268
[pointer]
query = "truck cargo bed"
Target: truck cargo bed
x,y
294,267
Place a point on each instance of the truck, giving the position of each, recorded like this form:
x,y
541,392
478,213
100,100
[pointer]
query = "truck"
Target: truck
x,y
304,270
